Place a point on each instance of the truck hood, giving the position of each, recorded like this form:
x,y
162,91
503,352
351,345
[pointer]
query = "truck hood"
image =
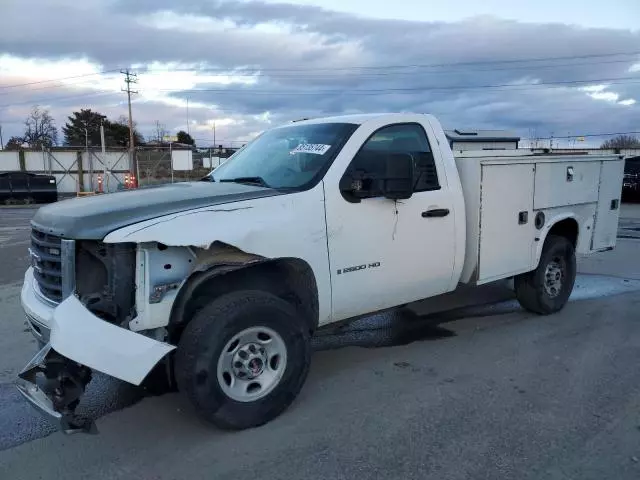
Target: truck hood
x,y
92,218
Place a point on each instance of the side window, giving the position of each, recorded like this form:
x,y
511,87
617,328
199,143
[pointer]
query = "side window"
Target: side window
x,y
406,138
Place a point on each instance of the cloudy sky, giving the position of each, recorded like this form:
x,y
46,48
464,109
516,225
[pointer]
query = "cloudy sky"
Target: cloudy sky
x,y
556,67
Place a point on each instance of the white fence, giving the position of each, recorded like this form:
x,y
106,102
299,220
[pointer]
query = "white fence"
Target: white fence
x,y
73,170
81,170
9,161
212,162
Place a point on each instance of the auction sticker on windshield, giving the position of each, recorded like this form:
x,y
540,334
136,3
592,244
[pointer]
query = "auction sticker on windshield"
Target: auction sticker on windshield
x,y
317,148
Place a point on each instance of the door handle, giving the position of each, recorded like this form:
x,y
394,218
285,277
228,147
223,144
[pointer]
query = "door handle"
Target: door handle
x,y
436,212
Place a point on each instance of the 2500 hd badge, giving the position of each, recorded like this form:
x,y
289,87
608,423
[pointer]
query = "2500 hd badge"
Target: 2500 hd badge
x,y
358,267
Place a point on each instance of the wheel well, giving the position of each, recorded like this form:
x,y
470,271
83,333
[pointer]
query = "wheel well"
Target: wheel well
x,y
567,228
290,279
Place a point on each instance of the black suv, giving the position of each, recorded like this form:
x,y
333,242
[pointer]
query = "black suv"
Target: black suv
x,y
631,181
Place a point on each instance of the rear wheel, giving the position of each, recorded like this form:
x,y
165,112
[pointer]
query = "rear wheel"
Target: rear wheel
x,y
243,359
547,289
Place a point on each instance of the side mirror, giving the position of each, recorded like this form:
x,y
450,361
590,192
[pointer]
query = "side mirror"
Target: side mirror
x,y
375,174
397,181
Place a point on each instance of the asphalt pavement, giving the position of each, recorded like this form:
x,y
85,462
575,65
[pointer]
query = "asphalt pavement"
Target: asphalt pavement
x,y
14,241
492,392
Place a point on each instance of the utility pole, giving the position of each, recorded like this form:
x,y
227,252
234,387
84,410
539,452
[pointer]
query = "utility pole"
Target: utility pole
x,y
102,139
188,126
133,163
1,142
214,145
86,149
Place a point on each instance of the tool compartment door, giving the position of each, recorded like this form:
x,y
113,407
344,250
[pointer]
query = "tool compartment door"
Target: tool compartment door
x,y
608,209
566,183
506,220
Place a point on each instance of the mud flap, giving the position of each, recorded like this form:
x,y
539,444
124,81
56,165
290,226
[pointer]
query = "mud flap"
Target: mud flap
x,y
53,385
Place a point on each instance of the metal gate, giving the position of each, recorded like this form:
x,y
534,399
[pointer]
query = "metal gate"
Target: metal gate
x,y
107,170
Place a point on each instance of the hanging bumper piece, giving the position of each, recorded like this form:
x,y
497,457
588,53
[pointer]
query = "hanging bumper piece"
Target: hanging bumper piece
x,y
53,385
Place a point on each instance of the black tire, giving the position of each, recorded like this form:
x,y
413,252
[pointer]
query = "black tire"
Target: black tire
x,y
206,335
530,287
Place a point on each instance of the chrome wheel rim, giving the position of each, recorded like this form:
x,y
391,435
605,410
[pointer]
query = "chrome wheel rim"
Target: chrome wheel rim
x,y
252,364
553,278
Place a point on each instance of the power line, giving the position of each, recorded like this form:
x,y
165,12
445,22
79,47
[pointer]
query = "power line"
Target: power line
x,y
361,92
56,99
260,73
57,79
431,88
589,135
47,87
510,86
357,75
399,90
361,67
428,65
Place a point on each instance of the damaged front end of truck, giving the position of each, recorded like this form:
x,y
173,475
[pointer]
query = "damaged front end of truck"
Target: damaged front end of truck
x,y
113,281
55,379
79,297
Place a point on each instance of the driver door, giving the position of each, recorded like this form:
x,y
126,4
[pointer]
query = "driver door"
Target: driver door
x,y
383,252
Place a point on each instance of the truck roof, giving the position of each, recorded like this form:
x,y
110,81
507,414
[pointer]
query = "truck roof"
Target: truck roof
x,y
457,134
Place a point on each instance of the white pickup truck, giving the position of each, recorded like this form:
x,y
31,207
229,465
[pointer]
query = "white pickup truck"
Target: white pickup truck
x,y
222,282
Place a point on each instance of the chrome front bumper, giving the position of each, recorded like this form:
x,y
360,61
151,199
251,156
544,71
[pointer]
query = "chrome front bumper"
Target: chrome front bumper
x,y
37,309
40,331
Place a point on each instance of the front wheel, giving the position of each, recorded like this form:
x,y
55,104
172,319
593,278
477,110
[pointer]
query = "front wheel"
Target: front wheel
x,y
546,289
243,359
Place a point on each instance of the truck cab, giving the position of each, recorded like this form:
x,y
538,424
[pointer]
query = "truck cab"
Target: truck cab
x,y
224,281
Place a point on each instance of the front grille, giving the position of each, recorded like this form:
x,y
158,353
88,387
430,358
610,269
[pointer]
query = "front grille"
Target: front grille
x,y
46,260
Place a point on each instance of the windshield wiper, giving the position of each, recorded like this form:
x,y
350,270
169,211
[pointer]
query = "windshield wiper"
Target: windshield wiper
x,y
250,180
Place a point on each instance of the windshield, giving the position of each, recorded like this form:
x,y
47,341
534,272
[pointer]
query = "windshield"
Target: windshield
x,y
288,157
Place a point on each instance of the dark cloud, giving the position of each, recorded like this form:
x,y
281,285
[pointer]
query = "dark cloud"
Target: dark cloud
x,y
307,62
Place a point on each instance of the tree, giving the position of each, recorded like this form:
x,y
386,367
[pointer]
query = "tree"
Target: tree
x,y
184,137
40,129
622,141
84,126
117,133
14,143
160,132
